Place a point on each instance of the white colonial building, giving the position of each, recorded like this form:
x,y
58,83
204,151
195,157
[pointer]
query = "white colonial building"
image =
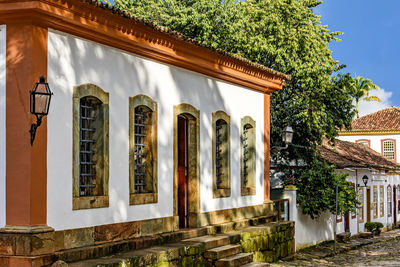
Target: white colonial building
x,y
148,131
379,198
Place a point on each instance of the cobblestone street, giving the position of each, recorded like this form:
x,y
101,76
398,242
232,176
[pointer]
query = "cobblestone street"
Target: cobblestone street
x,y
384,253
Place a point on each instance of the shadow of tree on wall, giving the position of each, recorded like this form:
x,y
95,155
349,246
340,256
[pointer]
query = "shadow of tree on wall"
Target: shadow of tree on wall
x,y
74,61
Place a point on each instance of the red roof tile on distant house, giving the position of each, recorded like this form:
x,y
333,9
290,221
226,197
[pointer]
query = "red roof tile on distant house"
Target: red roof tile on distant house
x,y
344,154
385,119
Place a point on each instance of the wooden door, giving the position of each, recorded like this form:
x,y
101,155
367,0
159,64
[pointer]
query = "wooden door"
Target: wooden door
x,y
394,206
368,204
347,222
183,186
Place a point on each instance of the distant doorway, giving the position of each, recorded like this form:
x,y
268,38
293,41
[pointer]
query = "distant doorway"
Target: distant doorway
x,y
347,222
368,204
394,205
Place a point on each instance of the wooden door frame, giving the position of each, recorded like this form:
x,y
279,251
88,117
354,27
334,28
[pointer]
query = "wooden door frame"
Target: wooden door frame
x,y
193,116
368,206
347,222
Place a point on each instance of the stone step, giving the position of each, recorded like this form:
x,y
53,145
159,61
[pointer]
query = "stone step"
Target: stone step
x,y
235,260
193,232
210,241
222,252
142,257
256,264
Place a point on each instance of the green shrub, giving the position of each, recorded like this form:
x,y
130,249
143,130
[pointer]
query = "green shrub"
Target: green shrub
x,y
370,226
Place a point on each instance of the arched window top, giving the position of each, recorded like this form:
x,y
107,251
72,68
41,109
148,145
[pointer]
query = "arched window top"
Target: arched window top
x,y
365,142
90,90
221,115
143,100
185,108
248,122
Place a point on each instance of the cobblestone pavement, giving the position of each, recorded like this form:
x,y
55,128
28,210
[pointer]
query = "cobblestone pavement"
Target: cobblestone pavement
x,y
383,253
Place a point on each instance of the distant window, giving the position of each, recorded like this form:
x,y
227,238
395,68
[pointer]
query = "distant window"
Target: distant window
x,y
381,200
388,149
375,201
363,142
361,207
398,200
389,200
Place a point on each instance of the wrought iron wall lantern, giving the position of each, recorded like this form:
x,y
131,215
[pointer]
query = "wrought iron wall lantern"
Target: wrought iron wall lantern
x,y
40,103
365,181
287,137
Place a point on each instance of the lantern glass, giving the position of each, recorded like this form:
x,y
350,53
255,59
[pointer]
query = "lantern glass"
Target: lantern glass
x,y
288,135
40,98
365,180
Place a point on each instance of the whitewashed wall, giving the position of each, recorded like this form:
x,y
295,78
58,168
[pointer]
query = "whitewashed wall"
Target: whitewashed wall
x,y
73,61
2,125
375,141
308,232
378,179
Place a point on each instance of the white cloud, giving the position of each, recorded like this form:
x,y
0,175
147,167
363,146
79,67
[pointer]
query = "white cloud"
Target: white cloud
x,y
367,107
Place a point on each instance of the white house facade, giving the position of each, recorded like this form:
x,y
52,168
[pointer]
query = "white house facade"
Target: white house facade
x,y
148,131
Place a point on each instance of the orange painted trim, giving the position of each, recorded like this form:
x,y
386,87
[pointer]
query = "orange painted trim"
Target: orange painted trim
x,y
267,145
365,140
26,171
394,144
102,26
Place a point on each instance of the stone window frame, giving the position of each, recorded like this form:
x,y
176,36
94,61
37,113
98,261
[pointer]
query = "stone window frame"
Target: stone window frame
x,y
366,142
375,200
389,200
394,148
361,208
381,200
143,198
226,190
89,202
249,188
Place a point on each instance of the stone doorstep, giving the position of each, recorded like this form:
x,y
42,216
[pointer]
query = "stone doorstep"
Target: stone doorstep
x,y
256,264
141,257
222,252
211,241
235,260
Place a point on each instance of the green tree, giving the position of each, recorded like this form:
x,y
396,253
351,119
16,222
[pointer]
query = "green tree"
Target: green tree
x,y
284,35
359,89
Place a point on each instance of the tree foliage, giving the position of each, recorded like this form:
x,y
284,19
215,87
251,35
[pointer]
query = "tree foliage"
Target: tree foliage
x,y
285,35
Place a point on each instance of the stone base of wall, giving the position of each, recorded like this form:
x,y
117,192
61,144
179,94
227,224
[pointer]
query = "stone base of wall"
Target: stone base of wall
x,y
269,244
38,242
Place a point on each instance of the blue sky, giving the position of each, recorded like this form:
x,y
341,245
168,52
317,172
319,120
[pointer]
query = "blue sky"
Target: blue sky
x,y
370,45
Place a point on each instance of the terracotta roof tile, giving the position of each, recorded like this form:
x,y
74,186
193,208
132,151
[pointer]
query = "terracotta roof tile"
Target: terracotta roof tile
x,y
347,154
385,119
181,36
